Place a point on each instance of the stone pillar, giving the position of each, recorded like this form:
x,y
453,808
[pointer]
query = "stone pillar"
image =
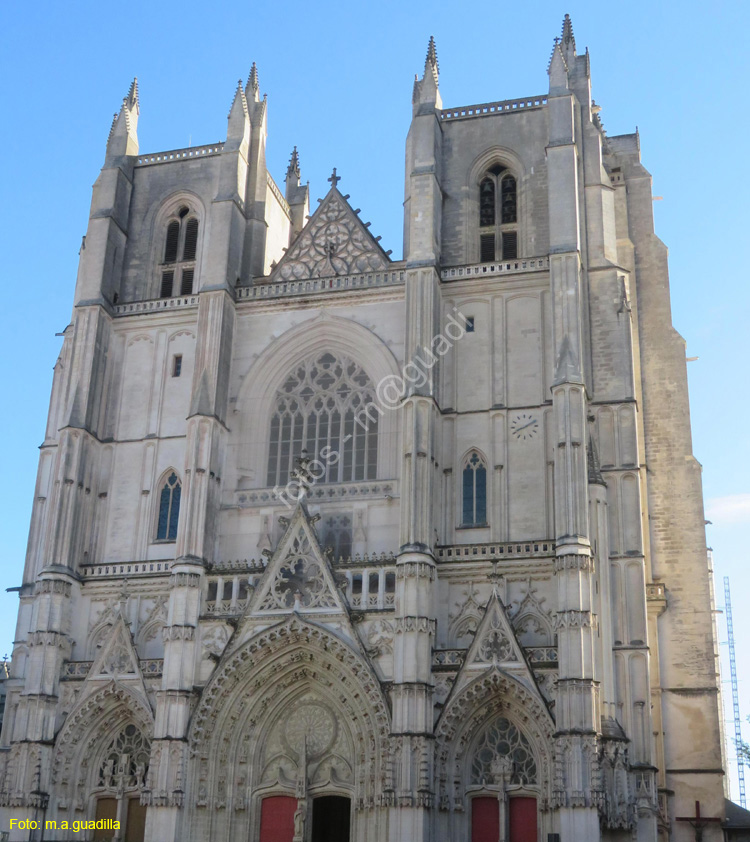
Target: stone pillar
x,y
196,538
27,784
577,785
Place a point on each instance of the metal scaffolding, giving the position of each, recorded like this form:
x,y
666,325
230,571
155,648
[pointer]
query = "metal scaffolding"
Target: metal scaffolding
x,y
735,691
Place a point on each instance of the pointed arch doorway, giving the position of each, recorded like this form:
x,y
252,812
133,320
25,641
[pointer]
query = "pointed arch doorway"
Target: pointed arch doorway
x,y
331,818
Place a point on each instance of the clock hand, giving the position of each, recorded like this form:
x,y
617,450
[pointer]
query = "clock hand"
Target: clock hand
x,y
533,421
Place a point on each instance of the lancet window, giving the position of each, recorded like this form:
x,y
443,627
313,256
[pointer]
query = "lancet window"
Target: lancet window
x,y
474,491
169,509
325,408
180,248
498,215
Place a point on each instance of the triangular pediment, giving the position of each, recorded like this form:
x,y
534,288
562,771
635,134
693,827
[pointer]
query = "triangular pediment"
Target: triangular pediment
x,y
495,642
496,647
334,242
298,577
117,658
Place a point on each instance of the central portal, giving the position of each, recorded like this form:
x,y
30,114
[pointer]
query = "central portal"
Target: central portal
x,y
331,817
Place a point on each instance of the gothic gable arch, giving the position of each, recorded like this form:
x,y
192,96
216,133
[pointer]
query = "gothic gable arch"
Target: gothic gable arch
x,y
262,682
95,716
472,709
320,334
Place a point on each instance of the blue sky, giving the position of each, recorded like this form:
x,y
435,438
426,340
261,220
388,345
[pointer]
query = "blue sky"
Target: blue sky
x,y
339,79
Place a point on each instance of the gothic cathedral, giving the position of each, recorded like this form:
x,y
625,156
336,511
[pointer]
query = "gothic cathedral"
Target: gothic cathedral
x,y
329,547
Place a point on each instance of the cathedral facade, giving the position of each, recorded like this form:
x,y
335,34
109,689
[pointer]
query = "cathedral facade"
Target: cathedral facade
x,y
328,547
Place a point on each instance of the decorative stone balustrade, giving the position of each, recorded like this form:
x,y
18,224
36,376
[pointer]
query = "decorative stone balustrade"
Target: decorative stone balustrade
x,y
180,154
448,658
341,283
490,552
128,568
369,583
156,304
321,492
541,655
504,267
482,109
150,667
371,590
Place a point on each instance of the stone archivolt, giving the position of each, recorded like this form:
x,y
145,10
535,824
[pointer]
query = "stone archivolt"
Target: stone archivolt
x,y
292,681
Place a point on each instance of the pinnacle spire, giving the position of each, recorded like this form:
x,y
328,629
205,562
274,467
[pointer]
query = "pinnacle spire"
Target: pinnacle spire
x,y
238,116
253,85
432,60
293,168
123,135
131,100
567,30
568,41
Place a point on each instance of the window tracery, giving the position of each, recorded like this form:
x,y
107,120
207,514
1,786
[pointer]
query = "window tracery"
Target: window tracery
x,y
498,220
180,248
322,407
503,753
125,762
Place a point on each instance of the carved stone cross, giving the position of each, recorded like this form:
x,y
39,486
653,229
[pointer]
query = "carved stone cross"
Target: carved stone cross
x,y
334,179
697,822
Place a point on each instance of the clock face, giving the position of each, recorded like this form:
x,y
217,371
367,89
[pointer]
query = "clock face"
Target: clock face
x,y
524,426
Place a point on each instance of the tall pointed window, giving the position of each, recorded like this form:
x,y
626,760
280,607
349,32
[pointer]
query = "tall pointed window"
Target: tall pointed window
x,y
474,491
326,407
180,248
498,215
169,509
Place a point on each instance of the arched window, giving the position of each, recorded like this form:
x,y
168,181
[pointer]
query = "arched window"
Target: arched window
x,y
474,491
169,509
498,215
503,754
326,407
121,779
180,247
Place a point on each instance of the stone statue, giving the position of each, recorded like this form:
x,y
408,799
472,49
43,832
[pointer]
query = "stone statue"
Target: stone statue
x,y
299,823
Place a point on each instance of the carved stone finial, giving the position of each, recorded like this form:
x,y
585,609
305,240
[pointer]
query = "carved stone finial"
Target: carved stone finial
x,y
334,179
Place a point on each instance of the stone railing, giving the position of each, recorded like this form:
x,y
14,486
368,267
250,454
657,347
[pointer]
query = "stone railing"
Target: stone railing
x,y
127,568
180,154
448,658
320,493
156,304
150,667
340,283
487,270
371,589
495,552
538,655
504,105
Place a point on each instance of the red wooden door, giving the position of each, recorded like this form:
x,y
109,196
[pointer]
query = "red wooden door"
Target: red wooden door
x,y
485,820
522,819
277,818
